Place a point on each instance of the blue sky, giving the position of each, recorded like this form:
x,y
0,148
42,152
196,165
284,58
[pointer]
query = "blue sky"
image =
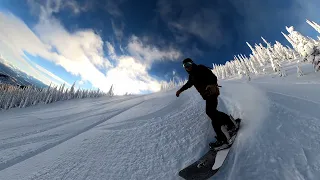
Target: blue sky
x,y
137,44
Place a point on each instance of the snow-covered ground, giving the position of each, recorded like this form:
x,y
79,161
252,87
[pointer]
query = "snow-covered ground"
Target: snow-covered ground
x,y
154,136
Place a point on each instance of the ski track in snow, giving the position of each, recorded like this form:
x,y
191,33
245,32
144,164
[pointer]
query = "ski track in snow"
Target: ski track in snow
x,y
154,136
47,146
22,138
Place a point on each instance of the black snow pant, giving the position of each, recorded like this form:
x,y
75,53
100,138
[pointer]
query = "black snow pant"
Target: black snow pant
x,y
218,118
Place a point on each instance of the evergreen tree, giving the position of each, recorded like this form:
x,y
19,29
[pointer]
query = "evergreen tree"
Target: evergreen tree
x,y
299,71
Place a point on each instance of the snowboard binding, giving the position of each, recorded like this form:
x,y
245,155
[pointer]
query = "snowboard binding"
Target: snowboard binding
x,y
231,135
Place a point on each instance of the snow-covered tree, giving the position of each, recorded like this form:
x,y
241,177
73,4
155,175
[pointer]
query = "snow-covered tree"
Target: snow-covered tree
x,y
282,72
281,51
300,43
255,55
275,65
314,58
273,54
254,67
316,63
299,71
165,86
314,25
110,92
13,96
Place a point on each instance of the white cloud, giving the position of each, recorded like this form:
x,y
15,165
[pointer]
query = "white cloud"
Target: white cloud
x,y
206,20
81,54
131,72
16,38
148,54
77,53
205,24
81,46
131,75
81,82
74,6
54,6
34,70
50,74
112,7
118,30
192,20
111,51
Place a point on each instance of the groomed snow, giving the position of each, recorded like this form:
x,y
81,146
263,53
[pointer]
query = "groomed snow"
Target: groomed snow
x,y
154,136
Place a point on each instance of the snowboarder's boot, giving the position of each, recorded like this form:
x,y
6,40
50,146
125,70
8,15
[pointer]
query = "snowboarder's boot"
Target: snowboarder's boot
x,y
232,132
219,145
235,123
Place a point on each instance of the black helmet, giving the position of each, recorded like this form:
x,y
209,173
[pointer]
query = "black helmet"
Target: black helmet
x,y
187,63
187,60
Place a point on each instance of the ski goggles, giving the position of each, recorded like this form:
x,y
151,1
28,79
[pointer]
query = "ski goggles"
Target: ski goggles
x,y
187,64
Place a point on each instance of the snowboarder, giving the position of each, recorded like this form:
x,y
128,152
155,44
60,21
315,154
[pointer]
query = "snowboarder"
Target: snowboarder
x,y
203,79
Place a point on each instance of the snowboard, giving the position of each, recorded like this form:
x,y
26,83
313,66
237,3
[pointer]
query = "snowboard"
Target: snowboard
x,y
193,172
209,163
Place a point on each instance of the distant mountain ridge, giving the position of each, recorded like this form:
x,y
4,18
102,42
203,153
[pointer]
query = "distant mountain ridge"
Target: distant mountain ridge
x,y
13,76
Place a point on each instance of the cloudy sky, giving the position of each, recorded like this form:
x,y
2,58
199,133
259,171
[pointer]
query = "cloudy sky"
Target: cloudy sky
x,y
135,45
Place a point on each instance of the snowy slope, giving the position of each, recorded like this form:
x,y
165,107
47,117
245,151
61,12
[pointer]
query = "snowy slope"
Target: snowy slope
x,y
154,136
280,139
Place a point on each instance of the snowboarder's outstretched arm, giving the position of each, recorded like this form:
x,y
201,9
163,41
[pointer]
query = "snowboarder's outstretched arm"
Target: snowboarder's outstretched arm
x,y
188,85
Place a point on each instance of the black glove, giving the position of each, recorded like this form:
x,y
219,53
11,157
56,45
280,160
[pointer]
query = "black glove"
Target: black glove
x,y
178,93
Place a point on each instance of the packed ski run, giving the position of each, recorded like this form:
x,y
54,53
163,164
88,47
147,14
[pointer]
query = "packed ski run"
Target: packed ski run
x,y
154,136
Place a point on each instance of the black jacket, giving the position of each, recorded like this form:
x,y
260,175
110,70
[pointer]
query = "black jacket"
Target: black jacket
x,y
200,77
